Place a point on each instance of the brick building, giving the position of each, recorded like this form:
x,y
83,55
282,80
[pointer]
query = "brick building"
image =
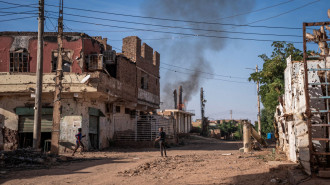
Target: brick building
x,y
119,88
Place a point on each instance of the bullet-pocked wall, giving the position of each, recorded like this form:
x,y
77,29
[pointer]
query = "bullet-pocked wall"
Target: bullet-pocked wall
x,y
107,101
26,42
75,114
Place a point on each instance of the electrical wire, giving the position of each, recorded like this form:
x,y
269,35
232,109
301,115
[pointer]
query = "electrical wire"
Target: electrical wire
x,y
14,19
176,33
176,20
265,19
180,72
14,13
257,10
203,71
179,27
18,6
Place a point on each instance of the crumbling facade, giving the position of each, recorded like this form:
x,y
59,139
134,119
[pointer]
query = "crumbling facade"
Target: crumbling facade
x,y
183,119
290,116
103,92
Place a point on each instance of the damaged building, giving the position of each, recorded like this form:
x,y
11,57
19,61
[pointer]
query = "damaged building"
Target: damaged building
x,y
291,118
302,118
104,92
182,117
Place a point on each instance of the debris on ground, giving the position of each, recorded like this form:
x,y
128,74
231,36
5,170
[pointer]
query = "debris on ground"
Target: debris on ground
x,y
227,154
166,164
28,158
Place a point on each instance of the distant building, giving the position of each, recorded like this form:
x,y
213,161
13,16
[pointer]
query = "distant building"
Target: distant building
x,y
183,123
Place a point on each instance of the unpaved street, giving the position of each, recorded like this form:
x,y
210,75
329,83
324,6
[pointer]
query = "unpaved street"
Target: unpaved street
x,y
201,161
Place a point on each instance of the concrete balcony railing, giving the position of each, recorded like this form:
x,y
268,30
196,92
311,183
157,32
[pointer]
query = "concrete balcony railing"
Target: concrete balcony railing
x,y
147,98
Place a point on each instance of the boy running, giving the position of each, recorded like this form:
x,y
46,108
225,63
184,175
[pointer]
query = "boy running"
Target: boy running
x,y
78,142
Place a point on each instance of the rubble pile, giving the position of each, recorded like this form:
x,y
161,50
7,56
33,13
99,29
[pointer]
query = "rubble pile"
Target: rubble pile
x,y
24,158
166,165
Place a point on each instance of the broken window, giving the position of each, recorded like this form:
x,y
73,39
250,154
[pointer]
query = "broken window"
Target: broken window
x,y
109,108
110,63
133,113
144,81
127,111
109,57
19,61
117,109
66,62
95,62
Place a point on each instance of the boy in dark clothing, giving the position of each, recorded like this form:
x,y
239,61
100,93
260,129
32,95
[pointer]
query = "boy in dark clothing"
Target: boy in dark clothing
x,y
78,142
161,138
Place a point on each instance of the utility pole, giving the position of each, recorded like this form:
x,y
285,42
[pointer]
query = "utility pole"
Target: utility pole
x,y
38,92
204,122
58,85
231,115
259,121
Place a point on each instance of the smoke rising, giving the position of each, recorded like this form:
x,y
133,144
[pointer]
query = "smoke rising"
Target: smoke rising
x,y
187,51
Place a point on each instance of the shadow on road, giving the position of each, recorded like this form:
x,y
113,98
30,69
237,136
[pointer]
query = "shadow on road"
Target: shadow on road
x,y
64,168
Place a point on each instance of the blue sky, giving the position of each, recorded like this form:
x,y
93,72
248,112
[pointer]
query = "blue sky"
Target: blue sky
x,y
232,60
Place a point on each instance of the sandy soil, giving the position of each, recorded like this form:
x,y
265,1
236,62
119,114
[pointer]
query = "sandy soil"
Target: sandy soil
x,y
201,161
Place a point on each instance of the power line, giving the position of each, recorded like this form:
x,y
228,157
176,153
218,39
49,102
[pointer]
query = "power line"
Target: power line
x,y
307,4
257,10
180,72
204,71
14,13
176,33
14,19
253,11
176,20
179,27
18,6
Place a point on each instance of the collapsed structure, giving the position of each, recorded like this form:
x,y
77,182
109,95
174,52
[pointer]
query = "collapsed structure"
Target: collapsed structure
x,y
302,118
182,117
105,93
291,118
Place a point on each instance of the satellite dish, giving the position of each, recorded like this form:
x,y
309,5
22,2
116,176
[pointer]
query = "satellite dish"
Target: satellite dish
x,y
85,79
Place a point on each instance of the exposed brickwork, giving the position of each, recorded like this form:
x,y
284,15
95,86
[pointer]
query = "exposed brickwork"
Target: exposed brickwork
x,y
132,48
10,138
147,53
126,71
147,61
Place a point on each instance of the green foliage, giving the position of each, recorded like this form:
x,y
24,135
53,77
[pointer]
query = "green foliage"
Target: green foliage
x,y
227,128
271,79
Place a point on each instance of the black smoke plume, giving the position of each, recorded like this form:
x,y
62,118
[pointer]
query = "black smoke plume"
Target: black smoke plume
x,y
190,51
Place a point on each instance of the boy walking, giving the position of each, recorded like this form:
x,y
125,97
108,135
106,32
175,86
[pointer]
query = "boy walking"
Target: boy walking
x,y
78,142
161,138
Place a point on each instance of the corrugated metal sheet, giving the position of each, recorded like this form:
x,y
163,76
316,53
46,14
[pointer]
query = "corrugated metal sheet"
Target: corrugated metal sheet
x,y
93,124
25,123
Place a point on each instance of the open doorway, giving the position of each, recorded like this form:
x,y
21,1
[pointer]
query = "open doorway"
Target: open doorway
x,y
25,130
94,131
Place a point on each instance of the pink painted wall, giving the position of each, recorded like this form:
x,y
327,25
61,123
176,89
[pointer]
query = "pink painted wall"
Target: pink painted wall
x,y
76,46
5,44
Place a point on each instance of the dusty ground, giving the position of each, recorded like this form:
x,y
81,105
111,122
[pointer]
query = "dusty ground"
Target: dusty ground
x,y
201,161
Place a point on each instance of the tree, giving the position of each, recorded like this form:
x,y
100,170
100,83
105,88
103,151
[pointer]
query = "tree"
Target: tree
x,y
227,128
271,79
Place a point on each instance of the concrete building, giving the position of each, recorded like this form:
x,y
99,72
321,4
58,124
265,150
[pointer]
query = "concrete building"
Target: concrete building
x,y
120,87
290,116
183,122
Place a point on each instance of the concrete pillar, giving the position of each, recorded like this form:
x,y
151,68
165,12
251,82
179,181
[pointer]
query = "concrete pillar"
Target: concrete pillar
x,y
246,136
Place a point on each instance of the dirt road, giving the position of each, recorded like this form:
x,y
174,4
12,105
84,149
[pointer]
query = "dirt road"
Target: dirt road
x,y
202,161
